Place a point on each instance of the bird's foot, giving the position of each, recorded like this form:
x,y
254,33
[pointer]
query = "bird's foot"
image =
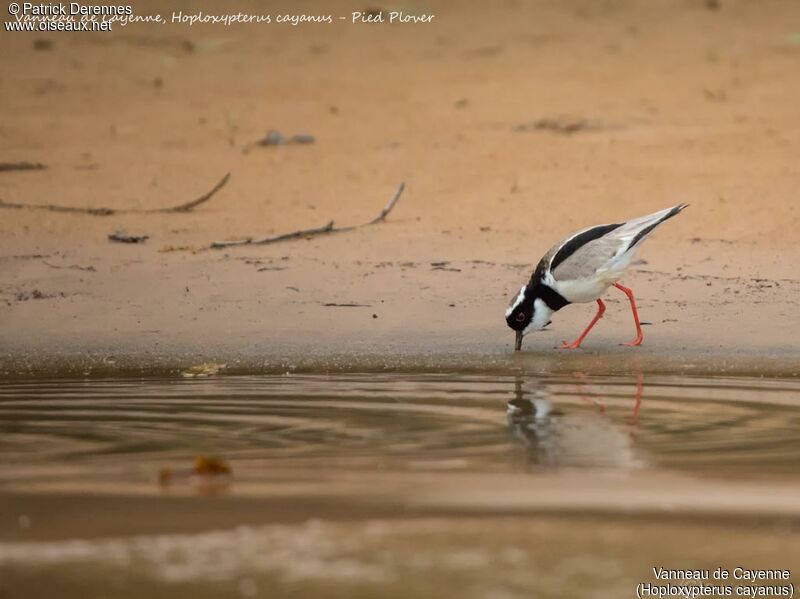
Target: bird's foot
x,y
635,343
573,345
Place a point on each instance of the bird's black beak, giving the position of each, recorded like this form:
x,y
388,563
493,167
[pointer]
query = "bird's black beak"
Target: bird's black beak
x,y
518,343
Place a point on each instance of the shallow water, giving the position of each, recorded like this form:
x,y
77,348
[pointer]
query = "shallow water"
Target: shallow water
x,y
393,485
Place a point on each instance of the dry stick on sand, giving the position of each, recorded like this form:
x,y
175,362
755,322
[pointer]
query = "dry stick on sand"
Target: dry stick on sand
x,y
324,230
71,267
21,166
186,207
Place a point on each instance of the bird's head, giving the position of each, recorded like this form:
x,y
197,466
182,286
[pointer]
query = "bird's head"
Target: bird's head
x,y
527,313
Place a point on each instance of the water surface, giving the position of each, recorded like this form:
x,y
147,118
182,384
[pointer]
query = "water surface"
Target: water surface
x,y
393,485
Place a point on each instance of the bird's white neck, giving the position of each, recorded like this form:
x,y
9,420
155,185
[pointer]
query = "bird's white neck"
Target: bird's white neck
x,y
541,315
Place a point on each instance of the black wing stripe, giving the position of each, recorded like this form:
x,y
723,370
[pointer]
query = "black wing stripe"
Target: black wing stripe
x,y
647,230
577,242
643,233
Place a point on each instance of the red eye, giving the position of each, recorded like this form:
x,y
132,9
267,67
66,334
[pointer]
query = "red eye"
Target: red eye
x,y
520,316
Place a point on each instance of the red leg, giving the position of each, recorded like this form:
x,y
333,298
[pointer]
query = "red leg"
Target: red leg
x,y
584,391
629,293
601,308
639,388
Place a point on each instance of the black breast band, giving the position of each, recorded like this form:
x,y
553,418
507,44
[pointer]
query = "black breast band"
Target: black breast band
x,y
554,300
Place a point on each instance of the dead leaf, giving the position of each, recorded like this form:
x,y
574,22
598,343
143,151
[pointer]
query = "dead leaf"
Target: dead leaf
x,y
204,369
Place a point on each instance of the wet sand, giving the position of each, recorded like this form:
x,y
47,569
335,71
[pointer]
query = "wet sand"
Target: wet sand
x,y
472,557
657,104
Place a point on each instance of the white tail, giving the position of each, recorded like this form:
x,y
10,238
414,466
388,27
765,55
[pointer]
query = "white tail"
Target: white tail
x,y
636,230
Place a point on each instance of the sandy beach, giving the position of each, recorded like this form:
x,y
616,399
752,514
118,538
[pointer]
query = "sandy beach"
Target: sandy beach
x,y
510,128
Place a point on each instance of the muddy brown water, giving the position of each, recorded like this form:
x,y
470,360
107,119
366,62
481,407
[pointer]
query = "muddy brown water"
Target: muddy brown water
x,y
395,485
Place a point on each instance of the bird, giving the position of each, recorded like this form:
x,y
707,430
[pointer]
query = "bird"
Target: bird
x,y
579,269
554,437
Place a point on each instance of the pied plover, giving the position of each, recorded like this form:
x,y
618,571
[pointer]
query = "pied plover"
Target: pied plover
x,y
579,269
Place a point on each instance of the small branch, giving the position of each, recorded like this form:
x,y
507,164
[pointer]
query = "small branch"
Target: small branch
x,y
389,205
266,240
54,208
71,267
120,237
187,207
21,166
24,257
350,305
306,233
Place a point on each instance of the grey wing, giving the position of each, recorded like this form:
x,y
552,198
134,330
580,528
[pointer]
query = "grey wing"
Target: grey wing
x,y
590,258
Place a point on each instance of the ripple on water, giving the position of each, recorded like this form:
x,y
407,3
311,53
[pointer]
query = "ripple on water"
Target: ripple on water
x,y
475,424
397,467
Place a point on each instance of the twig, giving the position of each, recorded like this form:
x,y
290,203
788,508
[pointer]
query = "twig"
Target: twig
x,y
70,267
294,235
195,203
54,208
24,257
389,205
120,237
21,166
306,233
188,206
350,305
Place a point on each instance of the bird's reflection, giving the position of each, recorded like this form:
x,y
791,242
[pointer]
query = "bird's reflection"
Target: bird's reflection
x,y
564,436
